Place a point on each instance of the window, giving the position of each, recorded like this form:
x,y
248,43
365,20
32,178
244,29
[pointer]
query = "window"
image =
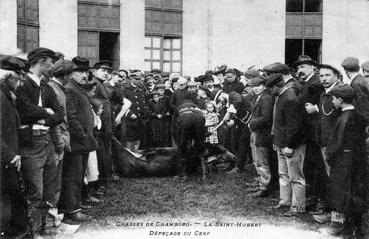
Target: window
x,y
304,21
98,30
163,30
27,24
163,53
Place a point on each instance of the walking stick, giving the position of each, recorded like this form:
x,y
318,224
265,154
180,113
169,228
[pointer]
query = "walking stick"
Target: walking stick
x,y
25,203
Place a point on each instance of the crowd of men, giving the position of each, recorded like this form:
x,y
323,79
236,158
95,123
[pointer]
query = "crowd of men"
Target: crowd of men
x,y
303,129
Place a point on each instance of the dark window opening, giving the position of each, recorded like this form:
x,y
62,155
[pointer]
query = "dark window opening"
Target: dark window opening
x,y
109,47
313,5
296,47
294,6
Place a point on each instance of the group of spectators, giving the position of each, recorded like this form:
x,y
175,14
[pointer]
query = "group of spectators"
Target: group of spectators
x,y
303,129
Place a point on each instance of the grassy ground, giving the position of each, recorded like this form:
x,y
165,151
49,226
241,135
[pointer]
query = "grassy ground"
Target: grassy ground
x,y
221,198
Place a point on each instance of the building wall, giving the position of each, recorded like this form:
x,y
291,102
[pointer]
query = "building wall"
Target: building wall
x,y
58,26
345,30
132,34
239,33
8,26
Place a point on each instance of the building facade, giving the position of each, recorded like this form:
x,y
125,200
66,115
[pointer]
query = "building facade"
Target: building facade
x,y
188,36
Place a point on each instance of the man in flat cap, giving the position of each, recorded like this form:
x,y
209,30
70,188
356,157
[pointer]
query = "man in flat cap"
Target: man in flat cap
x,y
289,142
82,141
310,92
231,82
102,73
346,157
360,86
39,111
260,123
13,216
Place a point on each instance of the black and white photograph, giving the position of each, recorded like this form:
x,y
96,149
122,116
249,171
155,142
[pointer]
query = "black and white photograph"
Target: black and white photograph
x,y
184,119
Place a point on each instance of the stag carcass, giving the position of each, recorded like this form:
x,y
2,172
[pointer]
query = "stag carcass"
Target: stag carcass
x,y
163,161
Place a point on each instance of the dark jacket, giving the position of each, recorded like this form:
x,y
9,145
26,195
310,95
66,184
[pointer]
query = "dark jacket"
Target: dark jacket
x,y
235,86
347,187
261,120
9,121
361,102
139,105
101,93
289,120
80,119
310,92
27,103
177,99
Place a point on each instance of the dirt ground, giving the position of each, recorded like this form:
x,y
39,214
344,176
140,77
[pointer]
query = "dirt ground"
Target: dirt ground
x,y
129,204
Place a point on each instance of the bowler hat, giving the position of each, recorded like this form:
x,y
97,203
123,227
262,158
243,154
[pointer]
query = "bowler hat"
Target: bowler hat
x,y
82,64
105,64
326,66
304,59
41,52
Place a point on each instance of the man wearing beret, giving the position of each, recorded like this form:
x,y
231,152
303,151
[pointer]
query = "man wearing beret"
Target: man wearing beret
x,y
231,83
260,123
289,142
360,86
81,123
102,74
347,187
13,219
310,92
39,111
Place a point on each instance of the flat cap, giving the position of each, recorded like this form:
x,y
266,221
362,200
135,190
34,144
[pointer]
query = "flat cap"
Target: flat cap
x,y
16,64
269,67
260,80
40,52
155,92
252,73
279,68
365,66
155,71
81,63
105,64
63,67
343,91
191,84
148,75
273,80
230,70
351,63
326,66
304,59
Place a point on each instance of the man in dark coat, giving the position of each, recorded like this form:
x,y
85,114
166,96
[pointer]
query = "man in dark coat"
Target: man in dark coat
x,y
289,141
13,219
81,123
190,127
314,171
260,139
137,117
347,189
101,72
39,111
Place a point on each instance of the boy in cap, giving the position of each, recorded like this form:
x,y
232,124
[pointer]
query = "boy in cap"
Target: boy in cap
x,y
260,123
347,187
39,111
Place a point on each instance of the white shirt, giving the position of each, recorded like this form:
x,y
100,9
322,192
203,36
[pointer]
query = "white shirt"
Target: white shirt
x,y
350,107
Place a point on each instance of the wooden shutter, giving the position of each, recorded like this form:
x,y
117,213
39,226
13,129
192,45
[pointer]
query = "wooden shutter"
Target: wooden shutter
x,y
88,45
